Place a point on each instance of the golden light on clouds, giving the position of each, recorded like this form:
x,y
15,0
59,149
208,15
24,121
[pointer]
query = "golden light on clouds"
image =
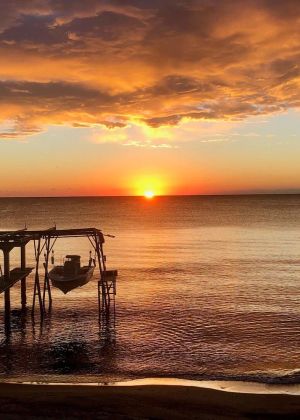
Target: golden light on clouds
x,y
99,63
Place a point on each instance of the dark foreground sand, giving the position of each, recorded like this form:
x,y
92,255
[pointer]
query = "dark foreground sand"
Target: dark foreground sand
x,y
141,401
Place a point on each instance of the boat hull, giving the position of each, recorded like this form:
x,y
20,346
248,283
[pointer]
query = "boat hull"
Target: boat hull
x,y
66,284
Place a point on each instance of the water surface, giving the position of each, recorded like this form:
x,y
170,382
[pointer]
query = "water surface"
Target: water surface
x,y
208,288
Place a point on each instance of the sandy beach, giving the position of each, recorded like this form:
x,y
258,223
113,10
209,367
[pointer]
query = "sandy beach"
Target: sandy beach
x,y
149,399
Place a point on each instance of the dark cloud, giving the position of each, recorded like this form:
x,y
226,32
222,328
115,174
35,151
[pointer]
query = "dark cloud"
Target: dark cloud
x,y
66,94
108,26
108,62
35,29
179,85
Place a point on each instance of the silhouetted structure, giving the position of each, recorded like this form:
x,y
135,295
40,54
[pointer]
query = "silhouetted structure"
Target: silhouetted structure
x,y
44,241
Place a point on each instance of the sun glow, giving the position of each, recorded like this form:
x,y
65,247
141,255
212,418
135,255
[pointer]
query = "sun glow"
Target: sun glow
x,y
149,194
148,186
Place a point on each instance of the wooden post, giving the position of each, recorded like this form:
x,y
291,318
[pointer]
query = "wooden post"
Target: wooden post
x,y
99,302
23,281
37,287
46,278
7,291
104,285
105,289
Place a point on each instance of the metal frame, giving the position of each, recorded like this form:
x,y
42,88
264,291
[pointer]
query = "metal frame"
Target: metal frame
x,y
44,241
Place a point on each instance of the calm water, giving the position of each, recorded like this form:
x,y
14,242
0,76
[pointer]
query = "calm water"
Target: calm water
x,y
208,287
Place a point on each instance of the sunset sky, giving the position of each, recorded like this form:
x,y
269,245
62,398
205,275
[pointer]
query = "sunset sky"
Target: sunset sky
x,y
171,96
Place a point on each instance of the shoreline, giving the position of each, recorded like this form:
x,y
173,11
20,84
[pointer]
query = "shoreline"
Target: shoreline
x,y
149,398
244,387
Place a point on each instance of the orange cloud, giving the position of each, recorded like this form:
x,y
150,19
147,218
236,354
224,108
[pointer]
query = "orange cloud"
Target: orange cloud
x,y
109,63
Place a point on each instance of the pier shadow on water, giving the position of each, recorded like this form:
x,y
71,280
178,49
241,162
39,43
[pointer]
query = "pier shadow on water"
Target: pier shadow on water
x,y
31,347
67,357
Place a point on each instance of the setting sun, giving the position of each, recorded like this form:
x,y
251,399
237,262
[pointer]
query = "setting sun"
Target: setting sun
x,y
148,186
149,194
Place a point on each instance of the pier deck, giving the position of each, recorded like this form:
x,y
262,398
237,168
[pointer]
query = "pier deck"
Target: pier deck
x,y
15,275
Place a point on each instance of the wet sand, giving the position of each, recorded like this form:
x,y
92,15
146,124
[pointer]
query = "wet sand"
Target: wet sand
x,y
149,399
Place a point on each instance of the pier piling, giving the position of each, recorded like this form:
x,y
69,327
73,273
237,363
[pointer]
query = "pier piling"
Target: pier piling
x,y
23,280
6,281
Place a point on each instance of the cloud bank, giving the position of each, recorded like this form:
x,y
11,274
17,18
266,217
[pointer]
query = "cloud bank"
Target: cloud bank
x,y
96,62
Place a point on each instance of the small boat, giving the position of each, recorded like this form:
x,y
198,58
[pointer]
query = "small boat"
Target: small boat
x,y
71,275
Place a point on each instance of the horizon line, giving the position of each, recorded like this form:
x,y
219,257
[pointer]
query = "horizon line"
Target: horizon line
x,y
231,194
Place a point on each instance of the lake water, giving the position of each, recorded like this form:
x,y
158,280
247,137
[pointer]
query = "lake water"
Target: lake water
x,y
208,288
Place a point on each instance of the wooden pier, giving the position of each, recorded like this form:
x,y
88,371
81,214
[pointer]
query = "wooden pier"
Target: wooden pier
x,y
43,241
